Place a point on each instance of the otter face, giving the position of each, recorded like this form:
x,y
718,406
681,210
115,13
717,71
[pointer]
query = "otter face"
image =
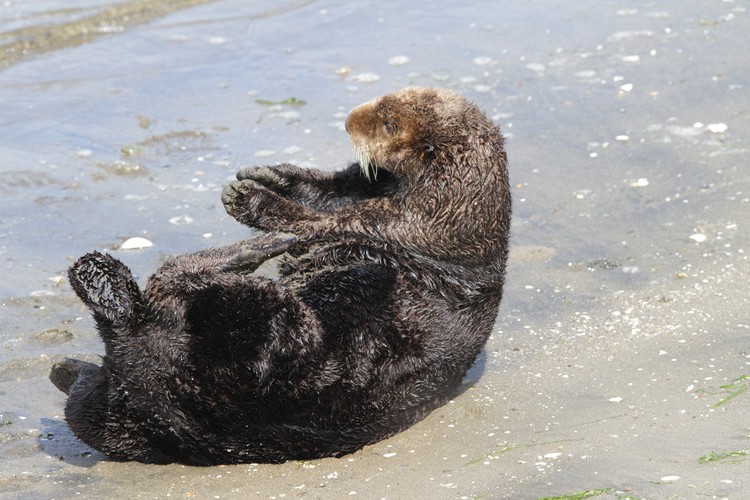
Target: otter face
x,y
399,132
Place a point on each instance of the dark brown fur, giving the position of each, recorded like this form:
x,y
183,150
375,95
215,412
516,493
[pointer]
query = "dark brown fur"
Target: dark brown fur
x,y
389,291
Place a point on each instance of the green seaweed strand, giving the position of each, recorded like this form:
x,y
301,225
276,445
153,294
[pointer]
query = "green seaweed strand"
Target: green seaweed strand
x,y
581,494
716,456
292,101
735,389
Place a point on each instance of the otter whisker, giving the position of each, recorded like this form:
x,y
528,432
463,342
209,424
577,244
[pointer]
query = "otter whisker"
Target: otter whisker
x,y
369,168
373,167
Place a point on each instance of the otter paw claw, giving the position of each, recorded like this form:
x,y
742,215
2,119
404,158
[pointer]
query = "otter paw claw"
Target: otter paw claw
x,y
265,176
251,253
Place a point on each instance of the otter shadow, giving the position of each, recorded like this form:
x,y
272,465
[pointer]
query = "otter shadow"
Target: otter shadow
x,y
475,372
57,440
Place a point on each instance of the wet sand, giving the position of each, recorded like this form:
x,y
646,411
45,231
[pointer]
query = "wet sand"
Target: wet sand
x,y
620,361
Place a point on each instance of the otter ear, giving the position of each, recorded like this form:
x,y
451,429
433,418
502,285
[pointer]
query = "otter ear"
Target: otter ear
x,y
427,152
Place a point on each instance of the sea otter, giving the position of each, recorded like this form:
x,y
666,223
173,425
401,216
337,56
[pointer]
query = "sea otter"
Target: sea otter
x,y
391,280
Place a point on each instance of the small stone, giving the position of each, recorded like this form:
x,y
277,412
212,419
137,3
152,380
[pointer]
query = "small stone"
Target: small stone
x,y
717,128
53,336
698,237
343,71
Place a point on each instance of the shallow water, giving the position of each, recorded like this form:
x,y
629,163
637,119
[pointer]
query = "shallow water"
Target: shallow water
x,y
626,317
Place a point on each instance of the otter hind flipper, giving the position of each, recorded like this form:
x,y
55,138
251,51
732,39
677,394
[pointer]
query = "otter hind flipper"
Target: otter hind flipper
x,y
107,286
65,373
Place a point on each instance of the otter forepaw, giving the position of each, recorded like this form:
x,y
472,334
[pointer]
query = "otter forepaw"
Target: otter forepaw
x,y
242,200
248,255
252,204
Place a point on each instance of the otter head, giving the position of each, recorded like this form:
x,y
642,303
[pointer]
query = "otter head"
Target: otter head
x,y
404,131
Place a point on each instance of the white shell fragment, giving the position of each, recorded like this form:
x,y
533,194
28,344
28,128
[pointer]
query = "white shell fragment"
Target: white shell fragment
x,y
641,182
366,77
670,478
398,60
537,67
698,237
181,220
717,128
136,243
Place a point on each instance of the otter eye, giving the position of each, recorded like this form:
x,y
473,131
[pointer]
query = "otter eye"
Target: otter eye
x,y
389,127
427,152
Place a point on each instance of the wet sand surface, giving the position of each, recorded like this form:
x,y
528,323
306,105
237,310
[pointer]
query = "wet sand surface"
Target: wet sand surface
x,y
620,361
